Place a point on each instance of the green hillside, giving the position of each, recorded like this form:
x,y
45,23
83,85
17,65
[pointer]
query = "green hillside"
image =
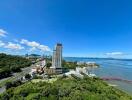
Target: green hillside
x,y
65,89
10,64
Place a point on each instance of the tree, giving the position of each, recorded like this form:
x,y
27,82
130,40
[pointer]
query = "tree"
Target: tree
x,y
8,85
10,64
28,76
66,89
48,64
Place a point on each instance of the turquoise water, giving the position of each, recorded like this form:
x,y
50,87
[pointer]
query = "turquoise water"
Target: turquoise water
x,y
112,68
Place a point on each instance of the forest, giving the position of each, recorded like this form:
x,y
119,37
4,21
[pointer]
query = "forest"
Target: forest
x,y
10,64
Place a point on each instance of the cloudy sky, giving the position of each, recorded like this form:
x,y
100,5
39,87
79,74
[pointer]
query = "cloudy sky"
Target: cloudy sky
x,y
21,46
86,28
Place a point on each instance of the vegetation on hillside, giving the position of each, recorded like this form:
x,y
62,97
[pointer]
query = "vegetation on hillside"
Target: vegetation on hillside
x,y
69,65
65,89
10,64
73,65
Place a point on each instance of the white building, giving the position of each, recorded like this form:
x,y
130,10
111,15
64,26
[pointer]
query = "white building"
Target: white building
x,y
78,72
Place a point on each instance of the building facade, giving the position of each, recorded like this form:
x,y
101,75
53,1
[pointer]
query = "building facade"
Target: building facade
x,y
57,58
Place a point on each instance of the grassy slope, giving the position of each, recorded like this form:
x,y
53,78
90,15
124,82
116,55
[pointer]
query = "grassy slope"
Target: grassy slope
x,y
66,89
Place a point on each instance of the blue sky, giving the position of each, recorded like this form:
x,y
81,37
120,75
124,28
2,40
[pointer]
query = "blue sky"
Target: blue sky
x,y
86,28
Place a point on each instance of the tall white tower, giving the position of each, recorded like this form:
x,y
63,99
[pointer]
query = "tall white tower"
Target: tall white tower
x,y
57,58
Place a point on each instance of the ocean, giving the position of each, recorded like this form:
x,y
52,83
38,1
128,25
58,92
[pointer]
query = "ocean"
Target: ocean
x,y
117,68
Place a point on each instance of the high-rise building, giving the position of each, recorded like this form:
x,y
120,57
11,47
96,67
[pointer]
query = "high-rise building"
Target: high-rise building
x,y
57,58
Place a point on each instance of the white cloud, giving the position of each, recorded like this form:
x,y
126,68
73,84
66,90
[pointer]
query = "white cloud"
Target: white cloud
x,y
2,44
32,49
35,45
10,45
28,43
114,53
44,48
13,46
2,33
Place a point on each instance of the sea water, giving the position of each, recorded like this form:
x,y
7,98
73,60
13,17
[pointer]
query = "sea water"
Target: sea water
x,y
117,68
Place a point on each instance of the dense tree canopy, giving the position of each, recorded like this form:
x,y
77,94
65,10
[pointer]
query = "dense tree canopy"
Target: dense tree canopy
x,y
69,65
10,64
74,64
65,89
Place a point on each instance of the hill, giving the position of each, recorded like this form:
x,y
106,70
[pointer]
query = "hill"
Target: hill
x,y
65,89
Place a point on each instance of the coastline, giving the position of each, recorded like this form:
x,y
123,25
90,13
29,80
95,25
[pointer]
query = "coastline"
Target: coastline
x,y
111,68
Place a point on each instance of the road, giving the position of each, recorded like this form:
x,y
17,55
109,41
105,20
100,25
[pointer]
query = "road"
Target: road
x,y
14,77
